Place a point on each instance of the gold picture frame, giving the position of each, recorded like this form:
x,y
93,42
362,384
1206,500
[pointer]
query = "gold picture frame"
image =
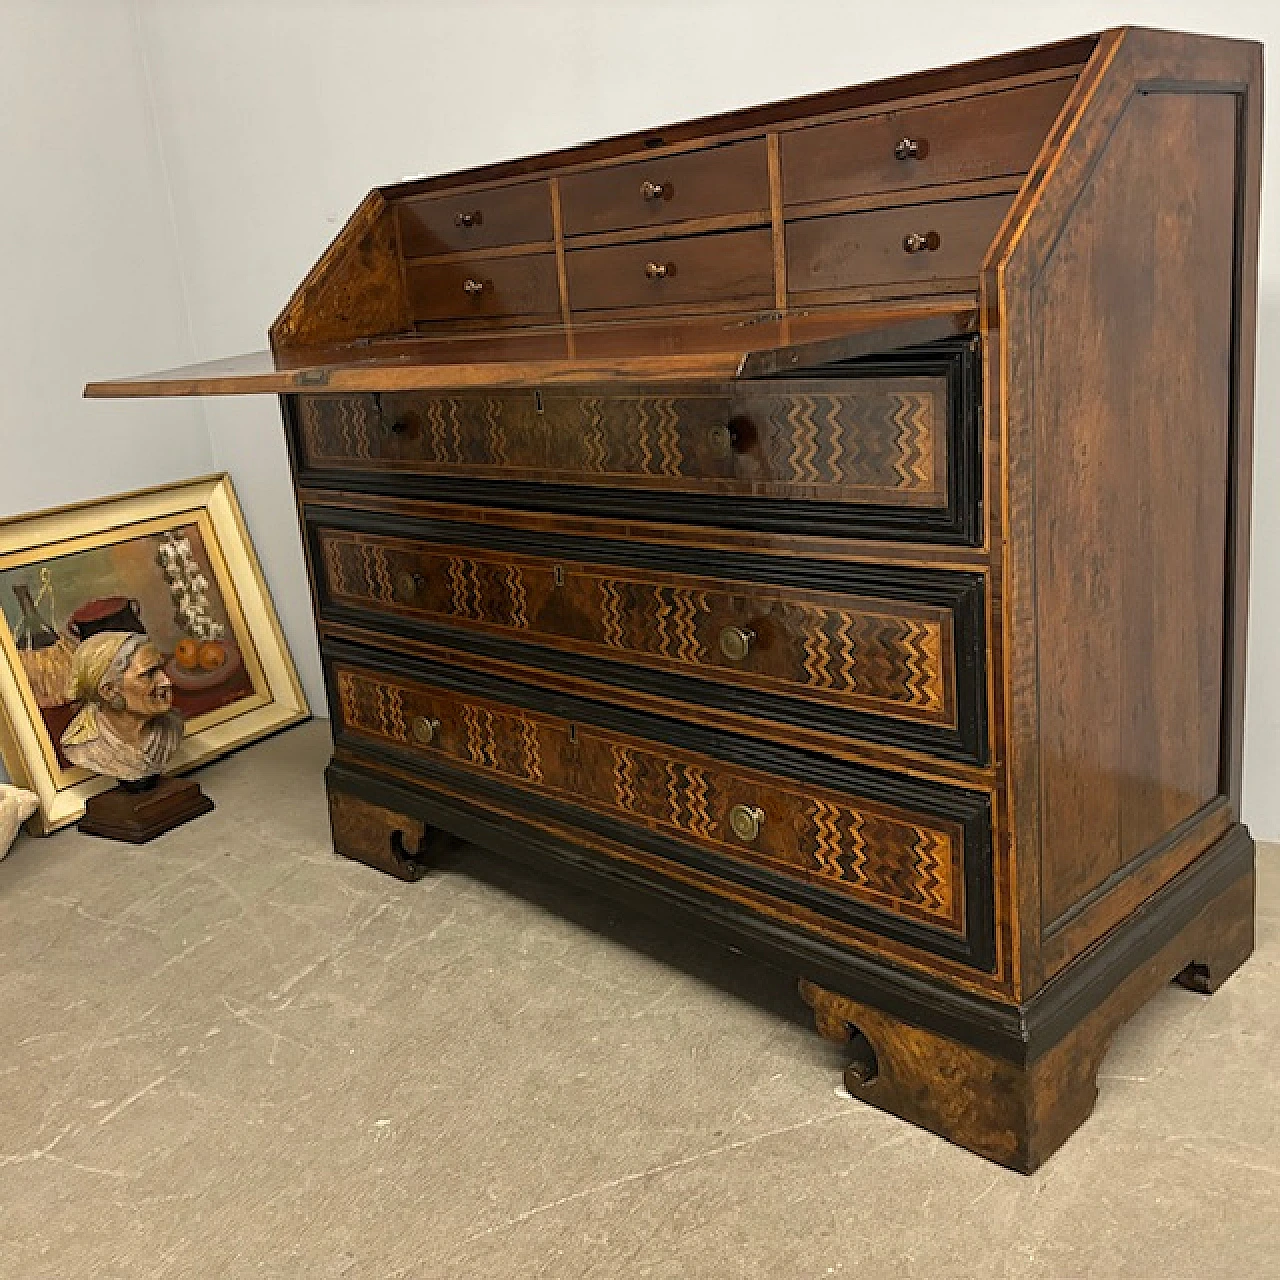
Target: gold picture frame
x,y
96,565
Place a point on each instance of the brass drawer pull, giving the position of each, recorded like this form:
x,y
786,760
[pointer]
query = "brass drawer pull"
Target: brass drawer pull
x,y
910,149
735,642
655,190
724,438
408,584
471,219
474,287
425,730
919,243
746,821
659,270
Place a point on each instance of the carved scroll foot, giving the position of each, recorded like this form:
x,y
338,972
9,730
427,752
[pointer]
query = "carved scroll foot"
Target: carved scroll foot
x,y
1019,1112
1014,1115
1223,950
401,846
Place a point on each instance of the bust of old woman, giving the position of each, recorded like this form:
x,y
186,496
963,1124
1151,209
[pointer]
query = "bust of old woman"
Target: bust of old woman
x,y
126,727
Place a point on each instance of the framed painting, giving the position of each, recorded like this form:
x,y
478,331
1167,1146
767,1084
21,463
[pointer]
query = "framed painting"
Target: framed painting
x,y
175,562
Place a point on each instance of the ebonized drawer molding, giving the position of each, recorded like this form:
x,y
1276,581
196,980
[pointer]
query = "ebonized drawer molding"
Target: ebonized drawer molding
x,y
892,656
886,446
907,858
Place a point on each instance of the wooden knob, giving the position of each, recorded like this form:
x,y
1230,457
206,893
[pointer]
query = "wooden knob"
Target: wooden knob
x,y
473,287
425,730
746,821
655,190
920,242
471,218
735,642
408,584
658,270
909,149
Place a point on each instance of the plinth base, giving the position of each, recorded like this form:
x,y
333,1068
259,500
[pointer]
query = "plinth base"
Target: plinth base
x,y
137,816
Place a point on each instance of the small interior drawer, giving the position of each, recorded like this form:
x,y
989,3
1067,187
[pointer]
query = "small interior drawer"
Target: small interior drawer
x,y
524,285
987,136
907,245
681,271
463,220
725,180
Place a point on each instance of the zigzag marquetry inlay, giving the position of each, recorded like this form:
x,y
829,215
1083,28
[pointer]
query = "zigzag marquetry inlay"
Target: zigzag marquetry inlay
x,y
894,859
863,654
876,440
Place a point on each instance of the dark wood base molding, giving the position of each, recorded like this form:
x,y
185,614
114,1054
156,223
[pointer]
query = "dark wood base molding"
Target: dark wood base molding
x,y
1019,1115
138,817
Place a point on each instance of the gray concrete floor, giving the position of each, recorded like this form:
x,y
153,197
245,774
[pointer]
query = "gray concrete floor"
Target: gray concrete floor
x,y
230,1053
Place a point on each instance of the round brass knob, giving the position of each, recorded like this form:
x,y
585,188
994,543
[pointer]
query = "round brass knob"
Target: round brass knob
x,y
919,242
408,584
724,438
909,149
469,219
746,821
658,270
473,287
735,642
654,190
425,730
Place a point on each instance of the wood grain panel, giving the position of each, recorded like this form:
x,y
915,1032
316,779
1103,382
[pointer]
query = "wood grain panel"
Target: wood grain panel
x,y
1132,403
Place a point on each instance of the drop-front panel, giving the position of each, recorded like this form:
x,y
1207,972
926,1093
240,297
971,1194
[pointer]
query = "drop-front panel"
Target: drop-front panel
x,y
826,524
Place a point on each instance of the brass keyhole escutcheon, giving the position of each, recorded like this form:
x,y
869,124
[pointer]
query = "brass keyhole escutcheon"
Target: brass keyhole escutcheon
x,y
735,642
746,821
425,730
408,584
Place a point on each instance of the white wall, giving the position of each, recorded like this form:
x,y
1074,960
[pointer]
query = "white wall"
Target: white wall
x,y
89,263
276,116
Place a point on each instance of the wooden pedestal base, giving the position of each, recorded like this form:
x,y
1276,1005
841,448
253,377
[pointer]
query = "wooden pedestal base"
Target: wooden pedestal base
x,y
1019,1114
140,816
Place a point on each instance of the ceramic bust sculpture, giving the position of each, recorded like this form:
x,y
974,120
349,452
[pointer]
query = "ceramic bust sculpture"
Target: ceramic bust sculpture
x,y
126,727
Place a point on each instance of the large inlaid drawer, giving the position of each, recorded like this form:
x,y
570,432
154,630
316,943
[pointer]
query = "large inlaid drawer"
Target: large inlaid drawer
x,y
888,448
901,857
887,655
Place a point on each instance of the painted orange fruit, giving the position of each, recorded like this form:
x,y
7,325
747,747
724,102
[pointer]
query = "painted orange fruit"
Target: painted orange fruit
x,y
212,655
187,654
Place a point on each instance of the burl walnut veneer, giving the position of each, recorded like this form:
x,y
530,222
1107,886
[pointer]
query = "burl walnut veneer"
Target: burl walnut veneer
x,y
828,523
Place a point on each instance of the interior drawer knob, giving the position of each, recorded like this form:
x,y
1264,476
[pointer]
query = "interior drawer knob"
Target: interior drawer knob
x,y
735,642
920,242
472,218
909,149
746,821
408,584
473,287
659,270
655,190
425,730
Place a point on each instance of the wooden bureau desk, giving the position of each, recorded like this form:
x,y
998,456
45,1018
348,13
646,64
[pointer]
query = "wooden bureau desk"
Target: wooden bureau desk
x,y
828,523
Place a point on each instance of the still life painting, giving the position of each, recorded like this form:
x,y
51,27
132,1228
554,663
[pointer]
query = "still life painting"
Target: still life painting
x,y
175,563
